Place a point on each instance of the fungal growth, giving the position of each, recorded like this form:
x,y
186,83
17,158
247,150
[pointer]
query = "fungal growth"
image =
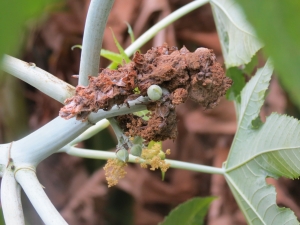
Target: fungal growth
x,y
166,75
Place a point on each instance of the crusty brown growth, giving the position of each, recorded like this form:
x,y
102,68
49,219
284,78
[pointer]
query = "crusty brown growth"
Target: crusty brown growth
x,y
179,96
109,88
162,124
182,73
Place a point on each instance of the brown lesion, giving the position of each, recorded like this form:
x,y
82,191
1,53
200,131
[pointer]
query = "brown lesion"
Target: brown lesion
x,y
162,124
181,73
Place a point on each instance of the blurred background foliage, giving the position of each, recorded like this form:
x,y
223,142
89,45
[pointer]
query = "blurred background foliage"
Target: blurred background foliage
x,y
277,25
15,15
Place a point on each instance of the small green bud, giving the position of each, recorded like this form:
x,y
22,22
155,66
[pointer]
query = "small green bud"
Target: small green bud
x,y
137,140
162,155
122,155
136,150
154,92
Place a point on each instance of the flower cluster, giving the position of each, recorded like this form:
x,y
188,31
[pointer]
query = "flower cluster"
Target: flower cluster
x,y
154,157
114,170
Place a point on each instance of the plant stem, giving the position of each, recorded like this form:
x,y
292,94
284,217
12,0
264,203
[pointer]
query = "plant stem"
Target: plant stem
x,y
4,156
101,125
145,37
42,143
40,201
123,140
11,199
92,39
38,78
97,154
45,141
134,106
195,167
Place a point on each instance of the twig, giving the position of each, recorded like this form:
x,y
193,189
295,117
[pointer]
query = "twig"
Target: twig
x,y
101,125
96,154
38,78
40,201
145,37
92,39
11,198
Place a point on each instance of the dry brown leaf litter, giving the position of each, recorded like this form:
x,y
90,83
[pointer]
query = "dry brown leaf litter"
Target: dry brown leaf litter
x,y
182,73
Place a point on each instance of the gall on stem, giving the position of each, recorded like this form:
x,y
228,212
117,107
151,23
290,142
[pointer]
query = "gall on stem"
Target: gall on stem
x,y
184,74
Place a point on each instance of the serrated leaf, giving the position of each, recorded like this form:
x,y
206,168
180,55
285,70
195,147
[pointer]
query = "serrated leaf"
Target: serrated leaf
x,y
238,40
260,151
191,212
252,96
273,150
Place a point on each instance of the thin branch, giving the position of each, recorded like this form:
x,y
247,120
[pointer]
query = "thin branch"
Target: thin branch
x,y
11,198
40,201
92,39
145,37
99,126
195,167
4,156
97,154
123,140
132,106
47,140
38,78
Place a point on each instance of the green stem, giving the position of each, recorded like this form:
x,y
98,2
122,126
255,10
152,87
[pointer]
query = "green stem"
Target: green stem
x,y
92,39
38,78
26,177
123,140
101,125
195,167
144,38
11,198
96,154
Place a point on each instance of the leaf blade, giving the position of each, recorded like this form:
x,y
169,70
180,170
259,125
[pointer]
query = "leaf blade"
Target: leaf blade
x,y
252,98
191,212
121,50
238,40
277,28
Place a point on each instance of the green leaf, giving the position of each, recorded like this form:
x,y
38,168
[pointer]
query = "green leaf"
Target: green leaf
x,y
252,96
112,56
14,15
121,50
191,212
248,69
271,151
144,114
260,151
238,40
130,32
238,83
277,25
